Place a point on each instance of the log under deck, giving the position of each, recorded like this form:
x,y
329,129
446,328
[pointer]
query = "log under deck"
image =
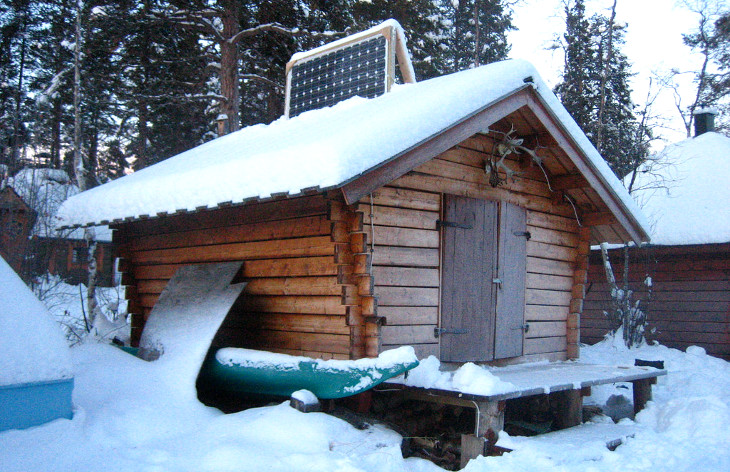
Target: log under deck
x,y
570,381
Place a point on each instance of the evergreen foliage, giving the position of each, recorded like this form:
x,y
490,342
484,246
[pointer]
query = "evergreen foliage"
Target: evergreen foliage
x,y
595,89
712,39
155,74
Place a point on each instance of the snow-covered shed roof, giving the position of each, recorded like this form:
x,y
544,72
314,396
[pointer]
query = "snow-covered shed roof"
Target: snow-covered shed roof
x,y
348,146
44,189
33,346
686,190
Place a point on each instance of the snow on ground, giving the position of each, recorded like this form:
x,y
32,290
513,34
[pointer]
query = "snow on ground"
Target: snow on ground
x,y
66,303
131,415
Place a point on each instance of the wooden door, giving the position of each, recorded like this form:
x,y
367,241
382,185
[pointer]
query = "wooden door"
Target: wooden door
x,y
511,273
469,267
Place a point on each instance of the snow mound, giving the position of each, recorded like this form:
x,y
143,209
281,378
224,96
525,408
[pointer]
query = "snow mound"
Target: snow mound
x,y
33,347
469,378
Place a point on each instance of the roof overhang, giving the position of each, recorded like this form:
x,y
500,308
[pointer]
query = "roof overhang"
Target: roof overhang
x,y
618,212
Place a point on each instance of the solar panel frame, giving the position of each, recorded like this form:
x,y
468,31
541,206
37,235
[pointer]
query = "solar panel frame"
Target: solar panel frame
x,y
308,88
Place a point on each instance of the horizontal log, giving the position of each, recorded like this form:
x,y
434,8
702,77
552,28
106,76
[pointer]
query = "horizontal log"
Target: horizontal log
x,y
405,256
661,307
293,286
545,313
691,286
151,286
543,329
407,296
538,265
155,272
272,340
281,229
332,324
249,213
408,237
406,335
409,315
299,247
551,221
290,267
469,189
405,276
405,198
477,175
545,345
422,350
551,236
294,304
547,297
551,251
402,217
549,282
672,316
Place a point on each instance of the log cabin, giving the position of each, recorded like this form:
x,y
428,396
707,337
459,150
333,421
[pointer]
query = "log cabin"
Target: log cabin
x,y
16,222
688,260
454,215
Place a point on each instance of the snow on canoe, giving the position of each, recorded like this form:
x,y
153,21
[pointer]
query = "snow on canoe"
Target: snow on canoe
x,y
238,370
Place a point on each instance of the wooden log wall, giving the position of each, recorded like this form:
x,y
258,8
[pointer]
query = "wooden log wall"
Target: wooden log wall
x,y
293,302
690,301
406,259
405,265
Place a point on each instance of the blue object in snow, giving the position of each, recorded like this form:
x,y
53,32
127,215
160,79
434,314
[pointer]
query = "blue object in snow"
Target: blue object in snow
x,y
32,404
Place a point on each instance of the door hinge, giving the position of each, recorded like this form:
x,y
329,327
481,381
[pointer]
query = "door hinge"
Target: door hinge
x,y
452,224
439,331
525,327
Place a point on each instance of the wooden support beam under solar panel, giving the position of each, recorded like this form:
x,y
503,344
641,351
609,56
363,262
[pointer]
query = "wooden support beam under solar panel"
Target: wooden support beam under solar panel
x,y
361,65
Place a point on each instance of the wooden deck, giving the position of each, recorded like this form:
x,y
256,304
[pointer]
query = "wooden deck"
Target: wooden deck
x,y
568,381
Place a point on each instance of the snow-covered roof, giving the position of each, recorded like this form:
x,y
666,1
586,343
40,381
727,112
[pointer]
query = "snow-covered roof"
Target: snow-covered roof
x,y
685,191
327,148
33,346
45,189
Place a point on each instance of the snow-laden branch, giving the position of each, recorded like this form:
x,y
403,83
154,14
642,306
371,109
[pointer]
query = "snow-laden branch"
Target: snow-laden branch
x,y
194,20
264,80
281,29
53,86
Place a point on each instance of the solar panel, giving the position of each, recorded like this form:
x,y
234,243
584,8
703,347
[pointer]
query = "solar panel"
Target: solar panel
x,y
359,65
359,69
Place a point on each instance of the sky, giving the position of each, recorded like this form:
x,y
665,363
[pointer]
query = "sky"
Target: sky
x,y
653,45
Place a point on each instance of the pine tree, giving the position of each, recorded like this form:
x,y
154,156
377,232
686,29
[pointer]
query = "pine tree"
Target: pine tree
x,y
712,40
479,32
426,27
595,88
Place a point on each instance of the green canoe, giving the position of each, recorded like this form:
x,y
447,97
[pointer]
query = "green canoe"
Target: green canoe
x,y
248,371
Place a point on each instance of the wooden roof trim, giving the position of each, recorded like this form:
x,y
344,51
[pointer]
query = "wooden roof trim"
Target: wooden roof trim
x,y
587,169
398,165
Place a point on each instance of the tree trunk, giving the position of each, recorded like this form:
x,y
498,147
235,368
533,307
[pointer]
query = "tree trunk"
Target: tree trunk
x,y
230,105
